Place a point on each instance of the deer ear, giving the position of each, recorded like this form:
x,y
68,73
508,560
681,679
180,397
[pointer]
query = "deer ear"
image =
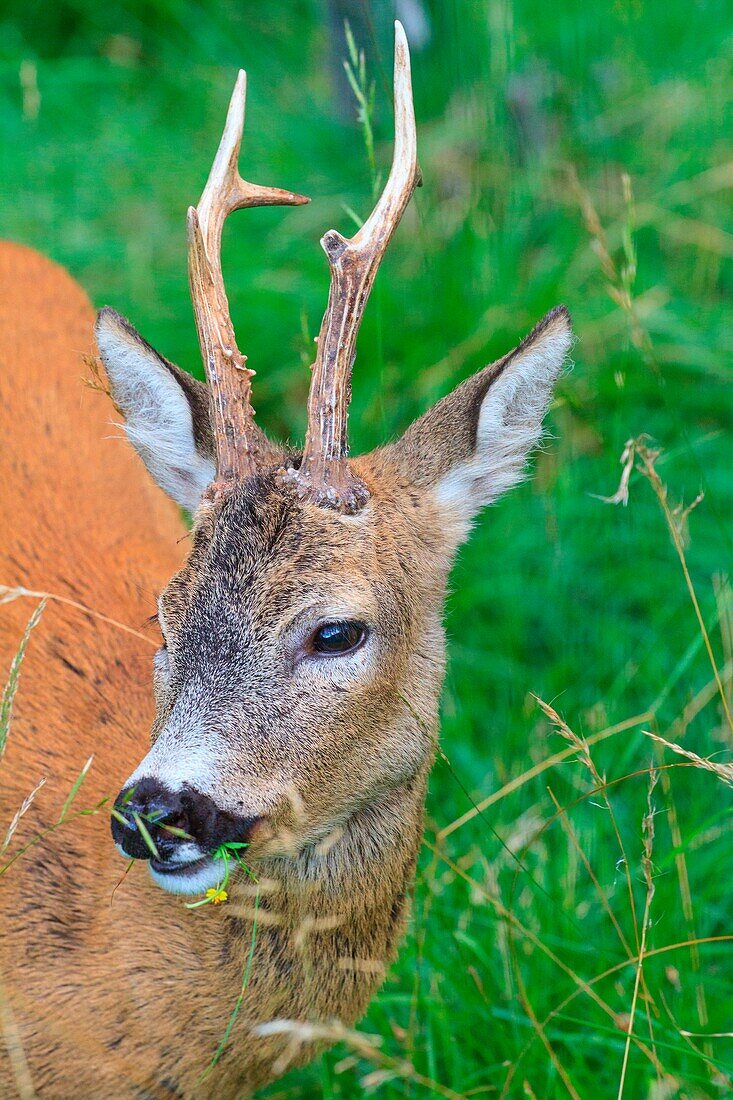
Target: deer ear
x,y
473,445
166,411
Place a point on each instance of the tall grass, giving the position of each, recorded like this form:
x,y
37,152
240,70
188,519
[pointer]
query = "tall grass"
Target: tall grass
x,y
572,153
11,687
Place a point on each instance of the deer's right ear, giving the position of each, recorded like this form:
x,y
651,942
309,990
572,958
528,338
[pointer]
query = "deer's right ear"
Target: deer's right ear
x,y
473,445
166,411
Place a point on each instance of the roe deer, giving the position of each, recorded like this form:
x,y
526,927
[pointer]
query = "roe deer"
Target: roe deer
x,y
296,689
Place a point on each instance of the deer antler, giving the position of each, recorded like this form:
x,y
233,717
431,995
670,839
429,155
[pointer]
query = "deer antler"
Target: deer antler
x,y
324,476
237,439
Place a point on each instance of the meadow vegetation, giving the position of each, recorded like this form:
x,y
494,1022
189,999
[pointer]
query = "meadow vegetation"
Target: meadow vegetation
x,y
572,932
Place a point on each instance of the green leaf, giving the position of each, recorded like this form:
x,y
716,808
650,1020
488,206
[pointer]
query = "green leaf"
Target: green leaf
x,y
143,830
72,793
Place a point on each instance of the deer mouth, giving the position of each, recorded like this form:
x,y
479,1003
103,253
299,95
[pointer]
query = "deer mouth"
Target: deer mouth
x,y
194,877
169,867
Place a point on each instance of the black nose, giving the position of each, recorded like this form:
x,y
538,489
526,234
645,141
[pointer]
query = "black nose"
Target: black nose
x,y
149,820
152,821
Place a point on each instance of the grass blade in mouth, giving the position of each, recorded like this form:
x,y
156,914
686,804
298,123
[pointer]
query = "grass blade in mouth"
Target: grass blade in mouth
x,y
144,833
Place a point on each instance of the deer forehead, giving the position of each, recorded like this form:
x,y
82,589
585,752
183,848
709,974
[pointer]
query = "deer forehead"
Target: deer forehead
x,y
262,557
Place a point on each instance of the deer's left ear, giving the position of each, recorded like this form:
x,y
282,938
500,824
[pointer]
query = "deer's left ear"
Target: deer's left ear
x,y
473,445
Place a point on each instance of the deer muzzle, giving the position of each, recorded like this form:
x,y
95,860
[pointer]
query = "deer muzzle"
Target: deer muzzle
x,y
177,832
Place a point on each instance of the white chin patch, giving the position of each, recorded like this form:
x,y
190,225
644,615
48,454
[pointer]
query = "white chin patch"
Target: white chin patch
x,y
201,877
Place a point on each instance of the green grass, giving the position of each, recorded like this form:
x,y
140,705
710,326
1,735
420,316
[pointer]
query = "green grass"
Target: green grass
x,y
557,594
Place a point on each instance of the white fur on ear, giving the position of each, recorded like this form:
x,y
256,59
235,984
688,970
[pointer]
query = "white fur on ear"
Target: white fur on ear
x,y
509,421
158,419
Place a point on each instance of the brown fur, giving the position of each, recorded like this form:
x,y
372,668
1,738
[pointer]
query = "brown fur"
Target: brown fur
x,y
126,992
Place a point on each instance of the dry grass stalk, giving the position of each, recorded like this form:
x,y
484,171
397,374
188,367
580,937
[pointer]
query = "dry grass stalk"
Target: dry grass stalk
x,y
29,86
367,1047
97,380
601,893
621,496
676,517
688,913
620,278
723,771
514,923
619,1021
724,601
698,702
579,743
420,926
26,805
541,1034
610,972
583,750
8,594
538,769
11,686
91,811
647,828
678,729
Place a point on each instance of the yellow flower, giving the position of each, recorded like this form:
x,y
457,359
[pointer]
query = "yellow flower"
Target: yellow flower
x,y
216,895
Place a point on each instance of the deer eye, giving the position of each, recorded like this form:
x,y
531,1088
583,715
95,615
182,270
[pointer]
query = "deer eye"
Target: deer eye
x,y
335,639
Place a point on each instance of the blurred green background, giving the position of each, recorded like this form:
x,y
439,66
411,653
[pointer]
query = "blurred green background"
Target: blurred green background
x,y
576,153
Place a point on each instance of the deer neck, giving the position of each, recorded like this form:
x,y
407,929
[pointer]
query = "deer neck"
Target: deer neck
x,y
333,919
361,873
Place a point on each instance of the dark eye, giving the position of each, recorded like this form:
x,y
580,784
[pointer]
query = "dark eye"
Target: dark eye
x,y
334,639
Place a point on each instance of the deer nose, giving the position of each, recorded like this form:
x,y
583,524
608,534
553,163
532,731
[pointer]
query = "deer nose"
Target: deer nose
x,y
150,820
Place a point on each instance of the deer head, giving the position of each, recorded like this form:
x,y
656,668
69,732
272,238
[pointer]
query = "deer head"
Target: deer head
x,y
297,687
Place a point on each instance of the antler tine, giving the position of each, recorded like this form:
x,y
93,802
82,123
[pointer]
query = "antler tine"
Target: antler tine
x,y
324,476
237,440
